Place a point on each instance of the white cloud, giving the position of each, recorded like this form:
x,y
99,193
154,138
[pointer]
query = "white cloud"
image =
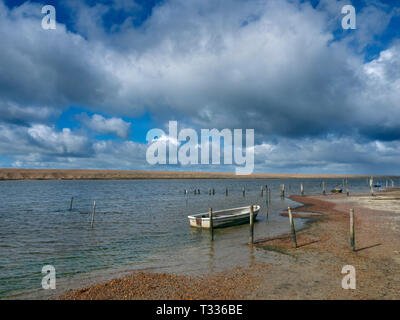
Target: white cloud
x,y
102,125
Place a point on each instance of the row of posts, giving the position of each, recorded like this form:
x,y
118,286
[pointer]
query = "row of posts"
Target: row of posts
x,y
291,224
262,189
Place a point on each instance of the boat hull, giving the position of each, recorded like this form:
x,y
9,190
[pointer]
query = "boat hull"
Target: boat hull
x,y
221,220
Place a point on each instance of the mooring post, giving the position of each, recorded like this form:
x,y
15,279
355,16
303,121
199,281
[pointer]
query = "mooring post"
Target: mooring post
x,y
251,240
282,192
70,204
262,191
213,191
352,235
210,215
347,187
301,189
269,195
93,212
323,188
244,191
292,230
266,211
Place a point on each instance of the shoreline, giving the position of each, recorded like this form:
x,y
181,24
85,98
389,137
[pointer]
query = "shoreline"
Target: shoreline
x,y
311,271
7,174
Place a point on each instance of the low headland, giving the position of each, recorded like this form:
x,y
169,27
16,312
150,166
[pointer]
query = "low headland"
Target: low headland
x,y
83,174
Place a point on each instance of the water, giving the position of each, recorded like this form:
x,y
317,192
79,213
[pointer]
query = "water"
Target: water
x,y
138,224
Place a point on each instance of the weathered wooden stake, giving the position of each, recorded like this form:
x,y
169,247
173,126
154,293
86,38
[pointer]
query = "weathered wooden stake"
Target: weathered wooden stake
x,y
292,230
352,235
323,188
282,191
244,191
347,187
198,191
251,240
387,185
269,195
93,212
266,211
392,184
262,191
195,191
301,189
213,191
210,215
70,204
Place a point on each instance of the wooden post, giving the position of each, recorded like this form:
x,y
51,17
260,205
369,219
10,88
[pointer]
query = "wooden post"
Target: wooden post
x,y
282,191
226,191
70,204
262,191
392,184
347,187
198,191
301,189
251,240
323,188
292,230
209,192
387,185
93,212
213,191
195,191
210,215
266,211
352,235
244,191
269,195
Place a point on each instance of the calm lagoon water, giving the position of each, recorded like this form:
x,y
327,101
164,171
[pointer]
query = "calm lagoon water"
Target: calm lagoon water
x,y
139,224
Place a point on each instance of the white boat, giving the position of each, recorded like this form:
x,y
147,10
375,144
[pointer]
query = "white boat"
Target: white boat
x,y
224,218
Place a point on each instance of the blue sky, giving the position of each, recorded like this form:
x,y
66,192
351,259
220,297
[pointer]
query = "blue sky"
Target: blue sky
x,y
320,99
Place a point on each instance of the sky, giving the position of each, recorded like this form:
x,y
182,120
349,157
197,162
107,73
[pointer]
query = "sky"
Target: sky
x,y
320,99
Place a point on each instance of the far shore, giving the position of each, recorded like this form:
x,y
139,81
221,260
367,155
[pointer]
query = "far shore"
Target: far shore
x,y
84,174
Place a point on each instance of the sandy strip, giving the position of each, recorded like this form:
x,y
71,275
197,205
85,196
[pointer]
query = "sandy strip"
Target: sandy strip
x,y
79,174
312,271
